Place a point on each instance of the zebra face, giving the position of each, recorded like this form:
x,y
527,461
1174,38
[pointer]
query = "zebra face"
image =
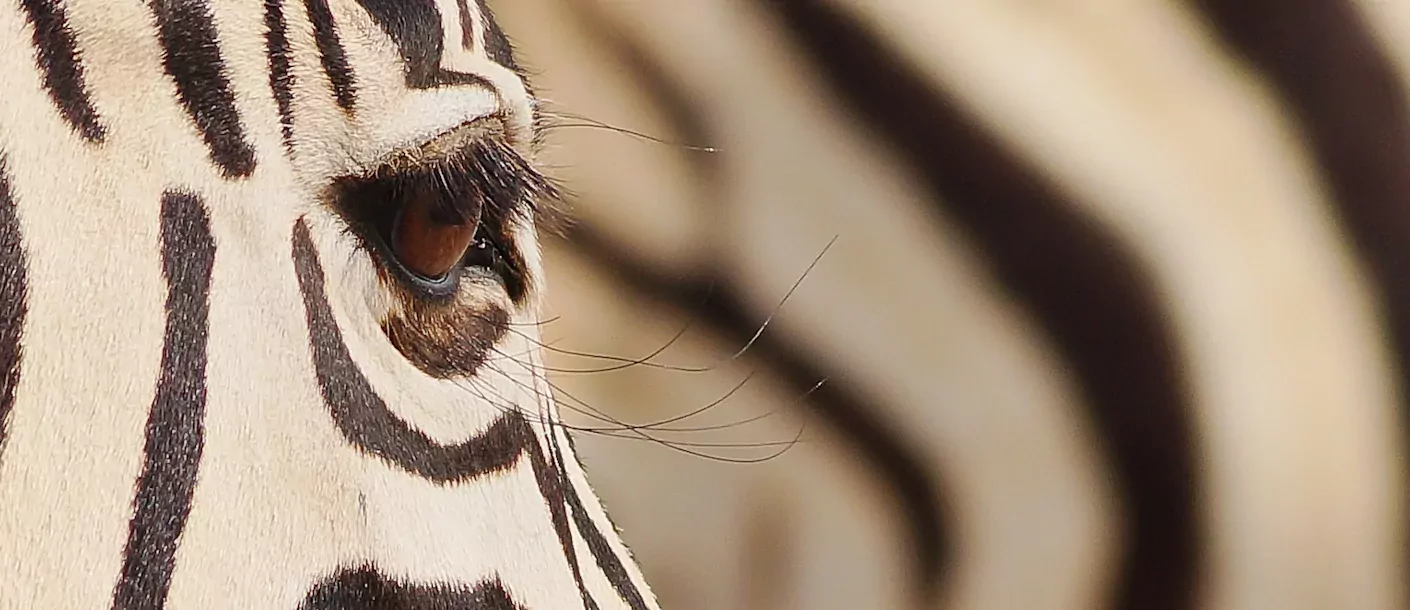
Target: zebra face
x,y
268,326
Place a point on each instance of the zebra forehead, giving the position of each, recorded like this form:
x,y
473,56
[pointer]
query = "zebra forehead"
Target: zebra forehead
x,y
424,30
402,73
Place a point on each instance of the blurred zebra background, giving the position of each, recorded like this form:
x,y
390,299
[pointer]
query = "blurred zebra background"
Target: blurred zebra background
x,y
1117,313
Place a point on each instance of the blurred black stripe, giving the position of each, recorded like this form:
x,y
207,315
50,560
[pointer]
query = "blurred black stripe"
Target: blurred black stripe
x,y
853,418
1080,283
847,413
1349,101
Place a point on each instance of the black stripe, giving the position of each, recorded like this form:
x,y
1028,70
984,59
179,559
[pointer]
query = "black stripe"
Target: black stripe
x,y
1346,96
366,422
281,79
365,588
175,427
607,559
192,58
497,45
415,27
553,482
1081,284
57,56
330,52
467,25
12,299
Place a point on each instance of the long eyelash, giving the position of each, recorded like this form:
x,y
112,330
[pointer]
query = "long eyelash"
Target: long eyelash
x,y
486,173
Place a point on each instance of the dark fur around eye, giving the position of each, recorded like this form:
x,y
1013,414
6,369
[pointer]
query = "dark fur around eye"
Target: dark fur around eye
x,y
486,184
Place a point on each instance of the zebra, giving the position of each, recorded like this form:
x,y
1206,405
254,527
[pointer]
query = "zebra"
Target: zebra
x,y
269,283
1116,317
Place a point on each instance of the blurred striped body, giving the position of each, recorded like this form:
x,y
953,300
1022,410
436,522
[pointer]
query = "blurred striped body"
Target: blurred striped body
x,y
1116,318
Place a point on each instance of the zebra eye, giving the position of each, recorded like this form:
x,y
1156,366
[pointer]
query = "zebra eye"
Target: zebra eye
x,y
429,244
430,225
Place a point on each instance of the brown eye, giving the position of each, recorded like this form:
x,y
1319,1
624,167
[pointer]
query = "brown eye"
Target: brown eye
x,y
425,243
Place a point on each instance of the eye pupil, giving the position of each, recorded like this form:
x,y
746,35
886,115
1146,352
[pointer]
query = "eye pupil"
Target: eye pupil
x,y
427,246
482,254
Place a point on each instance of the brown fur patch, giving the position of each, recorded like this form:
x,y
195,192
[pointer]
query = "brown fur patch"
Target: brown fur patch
x,y
446,339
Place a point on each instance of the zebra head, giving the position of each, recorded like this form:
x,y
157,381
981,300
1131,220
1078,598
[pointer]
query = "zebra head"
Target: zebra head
x,y
268,321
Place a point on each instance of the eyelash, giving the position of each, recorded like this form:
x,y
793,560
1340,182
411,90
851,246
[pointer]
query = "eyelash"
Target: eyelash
x,y
486,186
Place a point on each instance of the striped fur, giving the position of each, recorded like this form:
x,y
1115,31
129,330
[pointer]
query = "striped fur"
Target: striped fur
x,y
1115,318
214,385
